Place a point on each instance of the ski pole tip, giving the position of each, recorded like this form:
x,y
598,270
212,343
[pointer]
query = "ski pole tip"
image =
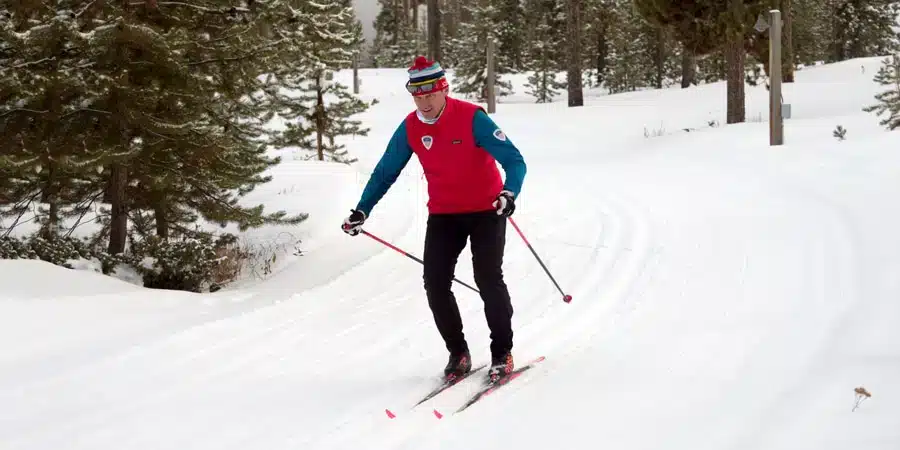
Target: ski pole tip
x,y
567,298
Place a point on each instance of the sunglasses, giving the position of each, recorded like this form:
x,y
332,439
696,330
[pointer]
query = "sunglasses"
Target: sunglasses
x,y
421,88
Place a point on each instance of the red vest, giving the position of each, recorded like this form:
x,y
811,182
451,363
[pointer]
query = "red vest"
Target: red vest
x,y
461,176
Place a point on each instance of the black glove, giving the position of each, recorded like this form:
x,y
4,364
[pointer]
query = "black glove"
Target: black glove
x,y
505,204
354,222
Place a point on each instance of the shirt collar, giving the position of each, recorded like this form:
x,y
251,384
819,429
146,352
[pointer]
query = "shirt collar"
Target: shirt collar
x,y
431,121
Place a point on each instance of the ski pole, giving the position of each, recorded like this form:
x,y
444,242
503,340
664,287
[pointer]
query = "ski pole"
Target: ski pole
x,y
566,298
393,247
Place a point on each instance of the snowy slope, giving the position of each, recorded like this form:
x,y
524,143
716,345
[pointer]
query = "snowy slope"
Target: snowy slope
x,y
727,295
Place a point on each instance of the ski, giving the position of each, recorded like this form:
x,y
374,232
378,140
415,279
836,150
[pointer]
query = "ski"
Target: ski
x,y
447,384
490,386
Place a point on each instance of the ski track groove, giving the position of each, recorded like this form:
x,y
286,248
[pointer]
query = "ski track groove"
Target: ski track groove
x,y
833,262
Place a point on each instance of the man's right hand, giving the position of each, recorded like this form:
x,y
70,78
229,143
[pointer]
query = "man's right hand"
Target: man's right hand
x,y
354,222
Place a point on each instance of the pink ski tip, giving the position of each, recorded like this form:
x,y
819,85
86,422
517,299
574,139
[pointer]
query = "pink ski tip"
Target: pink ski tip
x,y
438,414
389,413
567,298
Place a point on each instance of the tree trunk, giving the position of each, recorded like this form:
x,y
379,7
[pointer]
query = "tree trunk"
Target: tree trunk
x,y
659,58
398,21
787,47
734,76
602,50
434,30
159,214
50,196
414,24
688,67
404,21
465,15
450,19
108,187
118,227
320,118
735,55
573,78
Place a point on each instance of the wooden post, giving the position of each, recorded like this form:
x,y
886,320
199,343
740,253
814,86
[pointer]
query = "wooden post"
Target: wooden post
x,y
491,101
776,121
356,73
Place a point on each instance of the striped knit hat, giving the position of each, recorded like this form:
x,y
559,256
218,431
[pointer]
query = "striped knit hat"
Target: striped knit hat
x,y
425,77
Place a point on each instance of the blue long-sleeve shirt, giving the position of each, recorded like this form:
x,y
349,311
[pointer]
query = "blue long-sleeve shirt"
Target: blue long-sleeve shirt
x,y
399,152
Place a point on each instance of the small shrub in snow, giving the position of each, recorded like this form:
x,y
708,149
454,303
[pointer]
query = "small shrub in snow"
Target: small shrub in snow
x,y
186,265
59,250
656,132
232,258
262,256
15,248
861,395
840,133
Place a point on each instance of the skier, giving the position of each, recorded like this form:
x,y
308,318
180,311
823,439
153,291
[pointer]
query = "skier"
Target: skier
x,y
458,146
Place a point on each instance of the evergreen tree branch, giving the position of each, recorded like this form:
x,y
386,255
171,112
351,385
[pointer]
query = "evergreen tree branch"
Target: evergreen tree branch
x,y
222,10
34,111
250,54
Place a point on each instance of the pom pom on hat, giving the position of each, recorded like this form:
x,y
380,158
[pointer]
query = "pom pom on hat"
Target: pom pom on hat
x,y
424,70
421,63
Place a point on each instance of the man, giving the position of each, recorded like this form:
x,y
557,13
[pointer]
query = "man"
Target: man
x,y
458,146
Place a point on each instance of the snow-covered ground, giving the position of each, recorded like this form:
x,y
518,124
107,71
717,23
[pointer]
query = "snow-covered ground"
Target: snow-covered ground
x,y
727,295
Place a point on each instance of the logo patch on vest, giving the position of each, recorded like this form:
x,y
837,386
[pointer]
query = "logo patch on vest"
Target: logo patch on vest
x,y
457,141
427,141
498,133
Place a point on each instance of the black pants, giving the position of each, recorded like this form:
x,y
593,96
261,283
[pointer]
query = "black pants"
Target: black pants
x,y
445,238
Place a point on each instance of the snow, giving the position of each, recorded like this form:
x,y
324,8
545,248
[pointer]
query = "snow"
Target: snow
x,y
726,294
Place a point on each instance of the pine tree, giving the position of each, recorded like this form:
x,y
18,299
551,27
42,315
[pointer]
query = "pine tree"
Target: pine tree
x,y
397,41
709,26
179,134
511,33
711,68
811,30
48,138
470,71
640,53
889,99
318,110
543,57
626,62
598,30
451,20
861,28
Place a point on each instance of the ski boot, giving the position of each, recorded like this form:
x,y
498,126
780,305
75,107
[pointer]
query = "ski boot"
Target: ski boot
x,y
459,364
501,366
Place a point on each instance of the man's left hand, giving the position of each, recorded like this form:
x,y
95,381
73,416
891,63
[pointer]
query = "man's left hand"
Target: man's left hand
x,y
505,204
